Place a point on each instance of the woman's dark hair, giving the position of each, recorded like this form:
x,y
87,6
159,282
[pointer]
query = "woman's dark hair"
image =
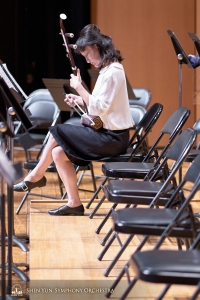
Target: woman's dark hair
x,y
90,35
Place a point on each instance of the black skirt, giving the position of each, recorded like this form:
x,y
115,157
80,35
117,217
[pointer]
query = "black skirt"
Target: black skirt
x,y
83,144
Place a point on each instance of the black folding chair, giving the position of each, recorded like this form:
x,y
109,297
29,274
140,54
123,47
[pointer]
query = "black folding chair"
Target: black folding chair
x,y
149,193
143,170
137,150
144,97
33,140
169,267
194,152
161,266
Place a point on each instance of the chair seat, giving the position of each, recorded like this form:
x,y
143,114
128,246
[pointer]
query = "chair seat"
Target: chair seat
x,y
167,266
36,136
149,221
135,192
128,170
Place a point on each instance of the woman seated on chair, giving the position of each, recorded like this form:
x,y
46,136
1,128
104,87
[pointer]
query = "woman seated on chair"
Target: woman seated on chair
x,y
68,144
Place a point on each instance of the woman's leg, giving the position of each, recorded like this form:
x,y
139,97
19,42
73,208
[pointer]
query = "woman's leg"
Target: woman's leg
x,y
68,176
46,159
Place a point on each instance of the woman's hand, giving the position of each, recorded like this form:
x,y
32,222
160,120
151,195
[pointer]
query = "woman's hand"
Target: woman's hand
x,y
75,81
70,98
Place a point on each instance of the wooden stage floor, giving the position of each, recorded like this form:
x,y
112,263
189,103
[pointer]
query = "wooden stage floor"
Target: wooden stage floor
x,y
63,250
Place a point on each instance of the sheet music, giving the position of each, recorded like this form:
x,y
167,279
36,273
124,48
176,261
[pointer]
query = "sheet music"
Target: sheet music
x,y
10,81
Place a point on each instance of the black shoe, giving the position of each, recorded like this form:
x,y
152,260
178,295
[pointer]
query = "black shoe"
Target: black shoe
x,y
24,186
67,211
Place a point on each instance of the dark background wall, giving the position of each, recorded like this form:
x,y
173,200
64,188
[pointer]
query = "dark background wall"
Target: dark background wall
x,y
30,43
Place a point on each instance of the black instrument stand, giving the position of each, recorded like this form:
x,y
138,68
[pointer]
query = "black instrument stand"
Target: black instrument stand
x,y
196,41
10,106
7,173
13,267
182,59
17,240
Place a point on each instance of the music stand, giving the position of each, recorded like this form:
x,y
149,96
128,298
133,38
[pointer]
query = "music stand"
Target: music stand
x,y
57,87
131,96
182,59
7,174
8,99
196,41
13,99
10,80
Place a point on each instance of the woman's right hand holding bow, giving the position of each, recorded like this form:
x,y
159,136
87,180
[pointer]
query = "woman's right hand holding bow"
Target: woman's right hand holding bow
x,y
70,98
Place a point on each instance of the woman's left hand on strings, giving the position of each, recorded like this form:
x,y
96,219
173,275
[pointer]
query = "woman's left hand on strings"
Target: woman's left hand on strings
x,y
75,80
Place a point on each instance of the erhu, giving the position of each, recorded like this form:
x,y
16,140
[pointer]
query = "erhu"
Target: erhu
x,y
87,120
69,55
68,46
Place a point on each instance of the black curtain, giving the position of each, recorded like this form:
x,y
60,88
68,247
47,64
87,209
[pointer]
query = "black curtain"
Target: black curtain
x,y
30,43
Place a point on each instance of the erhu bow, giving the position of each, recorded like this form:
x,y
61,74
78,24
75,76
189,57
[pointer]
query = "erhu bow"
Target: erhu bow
x,y
66,43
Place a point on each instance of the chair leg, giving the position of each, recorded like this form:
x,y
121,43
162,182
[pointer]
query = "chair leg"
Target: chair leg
x,y
22,202
129,288
117,280
196,293
60,185
103,252
80,178
124,246
164,291
103,242
106,218
108,215
93,176
108,270
96,193
97,207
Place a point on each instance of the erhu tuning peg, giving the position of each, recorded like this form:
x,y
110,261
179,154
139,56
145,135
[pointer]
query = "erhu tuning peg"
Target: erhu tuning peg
x,y
70,35
73,46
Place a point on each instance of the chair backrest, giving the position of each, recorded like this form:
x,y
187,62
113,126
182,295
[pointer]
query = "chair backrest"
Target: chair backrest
x,y
172,128
137,113
177,155
151,116
197,126
145,126
37,95
43,111
182,145
192,177
177,119
144,96
42,107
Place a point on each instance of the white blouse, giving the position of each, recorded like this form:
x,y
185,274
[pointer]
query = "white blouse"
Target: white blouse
x,y
109,99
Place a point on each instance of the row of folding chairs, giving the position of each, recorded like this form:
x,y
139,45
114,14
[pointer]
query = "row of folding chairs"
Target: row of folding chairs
x,y
153,184
149,182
